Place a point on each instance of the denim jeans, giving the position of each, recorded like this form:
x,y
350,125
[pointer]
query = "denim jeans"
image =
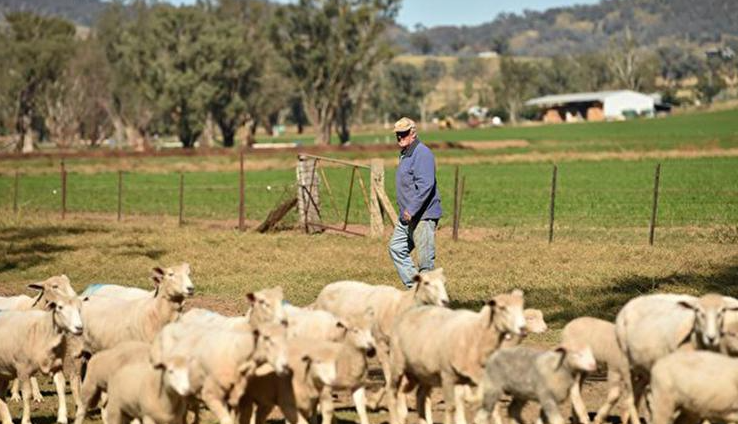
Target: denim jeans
x,y
407,237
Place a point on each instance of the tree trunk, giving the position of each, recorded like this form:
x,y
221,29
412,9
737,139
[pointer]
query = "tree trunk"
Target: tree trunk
x,y
25,141
323,137
207,137
135,139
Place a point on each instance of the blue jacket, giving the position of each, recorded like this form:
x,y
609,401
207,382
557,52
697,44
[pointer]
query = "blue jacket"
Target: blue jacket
x,y
415,182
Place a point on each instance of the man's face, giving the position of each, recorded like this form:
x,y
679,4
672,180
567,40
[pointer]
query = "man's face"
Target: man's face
x,y
405,138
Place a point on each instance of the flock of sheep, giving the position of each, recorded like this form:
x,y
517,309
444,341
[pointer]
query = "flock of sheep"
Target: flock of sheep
x,y
141,357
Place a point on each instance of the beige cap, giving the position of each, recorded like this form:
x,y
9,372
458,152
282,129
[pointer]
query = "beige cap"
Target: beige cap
x,y
404,124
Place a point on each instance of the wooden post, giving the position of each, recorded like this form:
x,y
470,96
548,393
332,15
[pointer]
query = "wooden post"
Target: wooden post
x,y
330,192
241,196
308,194
63,190
120,195
461,202
377,167
456,204
552,205
351,191
15,193
655,206
181,198
376,184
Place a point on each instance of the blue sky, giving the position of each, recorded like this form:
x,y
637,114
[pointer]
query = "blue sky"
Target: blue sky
x,y
461,12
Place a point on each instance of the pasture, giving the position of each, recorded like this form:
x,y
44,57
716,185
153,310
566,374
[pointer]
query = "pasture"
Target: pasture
x,y
600,257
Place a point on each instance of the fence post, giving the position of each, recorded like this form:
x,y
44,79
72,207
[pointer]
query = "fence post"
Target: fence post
x,y
120,195
15,193
308,194
241,196
375,212
181,198
552,205
655,206
461,202
456,204
63,190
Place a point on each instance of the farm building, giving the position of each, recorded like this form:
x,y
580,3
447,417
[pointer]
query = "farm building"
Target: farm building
x,y
599,106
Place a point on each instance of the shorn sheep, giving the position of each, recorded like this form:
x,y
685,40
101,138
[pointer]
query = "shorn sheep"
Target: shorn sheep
x,y
527,374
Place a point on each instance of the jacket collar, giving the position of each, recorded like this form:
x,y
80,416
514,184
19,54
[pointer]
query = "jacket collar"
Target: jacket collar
x,y
408,151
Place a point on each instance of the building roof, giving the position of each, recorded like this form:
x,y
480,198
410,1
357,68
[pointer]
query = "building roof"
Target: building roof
x,y
558,99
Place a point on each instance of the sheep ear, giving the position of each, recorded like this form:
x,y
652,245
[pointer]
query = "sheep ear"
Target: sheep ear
x,y
492,304
256,334
50,305
157,276
251,297
688,304
36,286
186,267
561,350
517,292
86,298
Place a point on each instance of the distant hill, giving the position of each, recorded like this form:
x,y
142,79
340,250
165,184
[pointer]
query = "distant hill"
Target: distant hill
x,y
81,12
585,28
573,29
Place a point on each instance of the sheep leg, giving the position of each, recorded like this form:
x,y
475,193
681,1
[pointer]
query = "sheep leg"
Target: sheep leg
x,y
577,404
359,396
449,397
104,407
89,397
551,409
459,406
37,396
402,409
4,411
392,388
421,396
326,405
215,404
75,385
613,395
26,394
515,409
61,386
490,396
263,411
15,391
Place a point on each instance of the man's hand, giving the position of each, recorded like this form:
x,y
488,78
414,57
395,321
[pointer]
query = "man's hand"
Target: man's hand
x,y
406,217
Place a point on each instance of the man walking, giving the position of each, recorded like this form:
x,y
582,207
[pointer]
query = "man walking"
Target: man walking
x,y
419,203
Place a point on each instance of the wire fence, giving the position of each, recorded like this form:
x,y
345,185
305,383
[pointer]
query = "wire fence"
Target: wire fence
x,y
588,195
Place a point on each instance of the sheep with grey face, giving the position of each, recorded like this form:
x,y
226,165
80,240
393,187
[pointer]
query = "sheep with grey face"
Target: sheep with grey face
x,y
699,385
599,335
528,374
34,342
652,326
455,354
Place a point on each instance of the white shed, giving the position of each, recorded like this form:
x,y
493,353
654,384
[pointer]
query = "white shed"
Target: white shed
x,y
612,104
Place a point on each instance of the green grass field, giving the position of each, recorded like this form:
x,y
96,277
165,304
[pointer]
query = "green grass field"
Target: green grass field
x,y
693,192
719,129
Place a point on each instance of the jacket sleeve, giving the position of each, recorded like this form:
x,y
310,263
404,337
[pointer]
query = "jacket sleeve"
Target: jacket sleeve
x,y
425,177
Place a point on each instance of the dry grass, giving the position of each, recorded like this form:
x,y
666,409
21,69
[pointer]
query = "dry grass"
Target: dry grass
x,y
565,279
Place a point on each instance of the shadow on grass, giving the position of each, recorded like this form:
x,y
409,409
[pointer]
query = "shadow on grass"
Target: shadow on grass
x,y
561,306
24,247
606,302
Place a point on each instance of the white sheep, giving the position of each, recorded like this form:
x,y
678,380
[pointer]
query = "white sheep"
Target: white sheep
x,y
59,284
223,359
112,321
101,367
528,374
262,306
313,367
433,346
154,392
652,326
600,336
699,385
349,299
33,341
117,291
